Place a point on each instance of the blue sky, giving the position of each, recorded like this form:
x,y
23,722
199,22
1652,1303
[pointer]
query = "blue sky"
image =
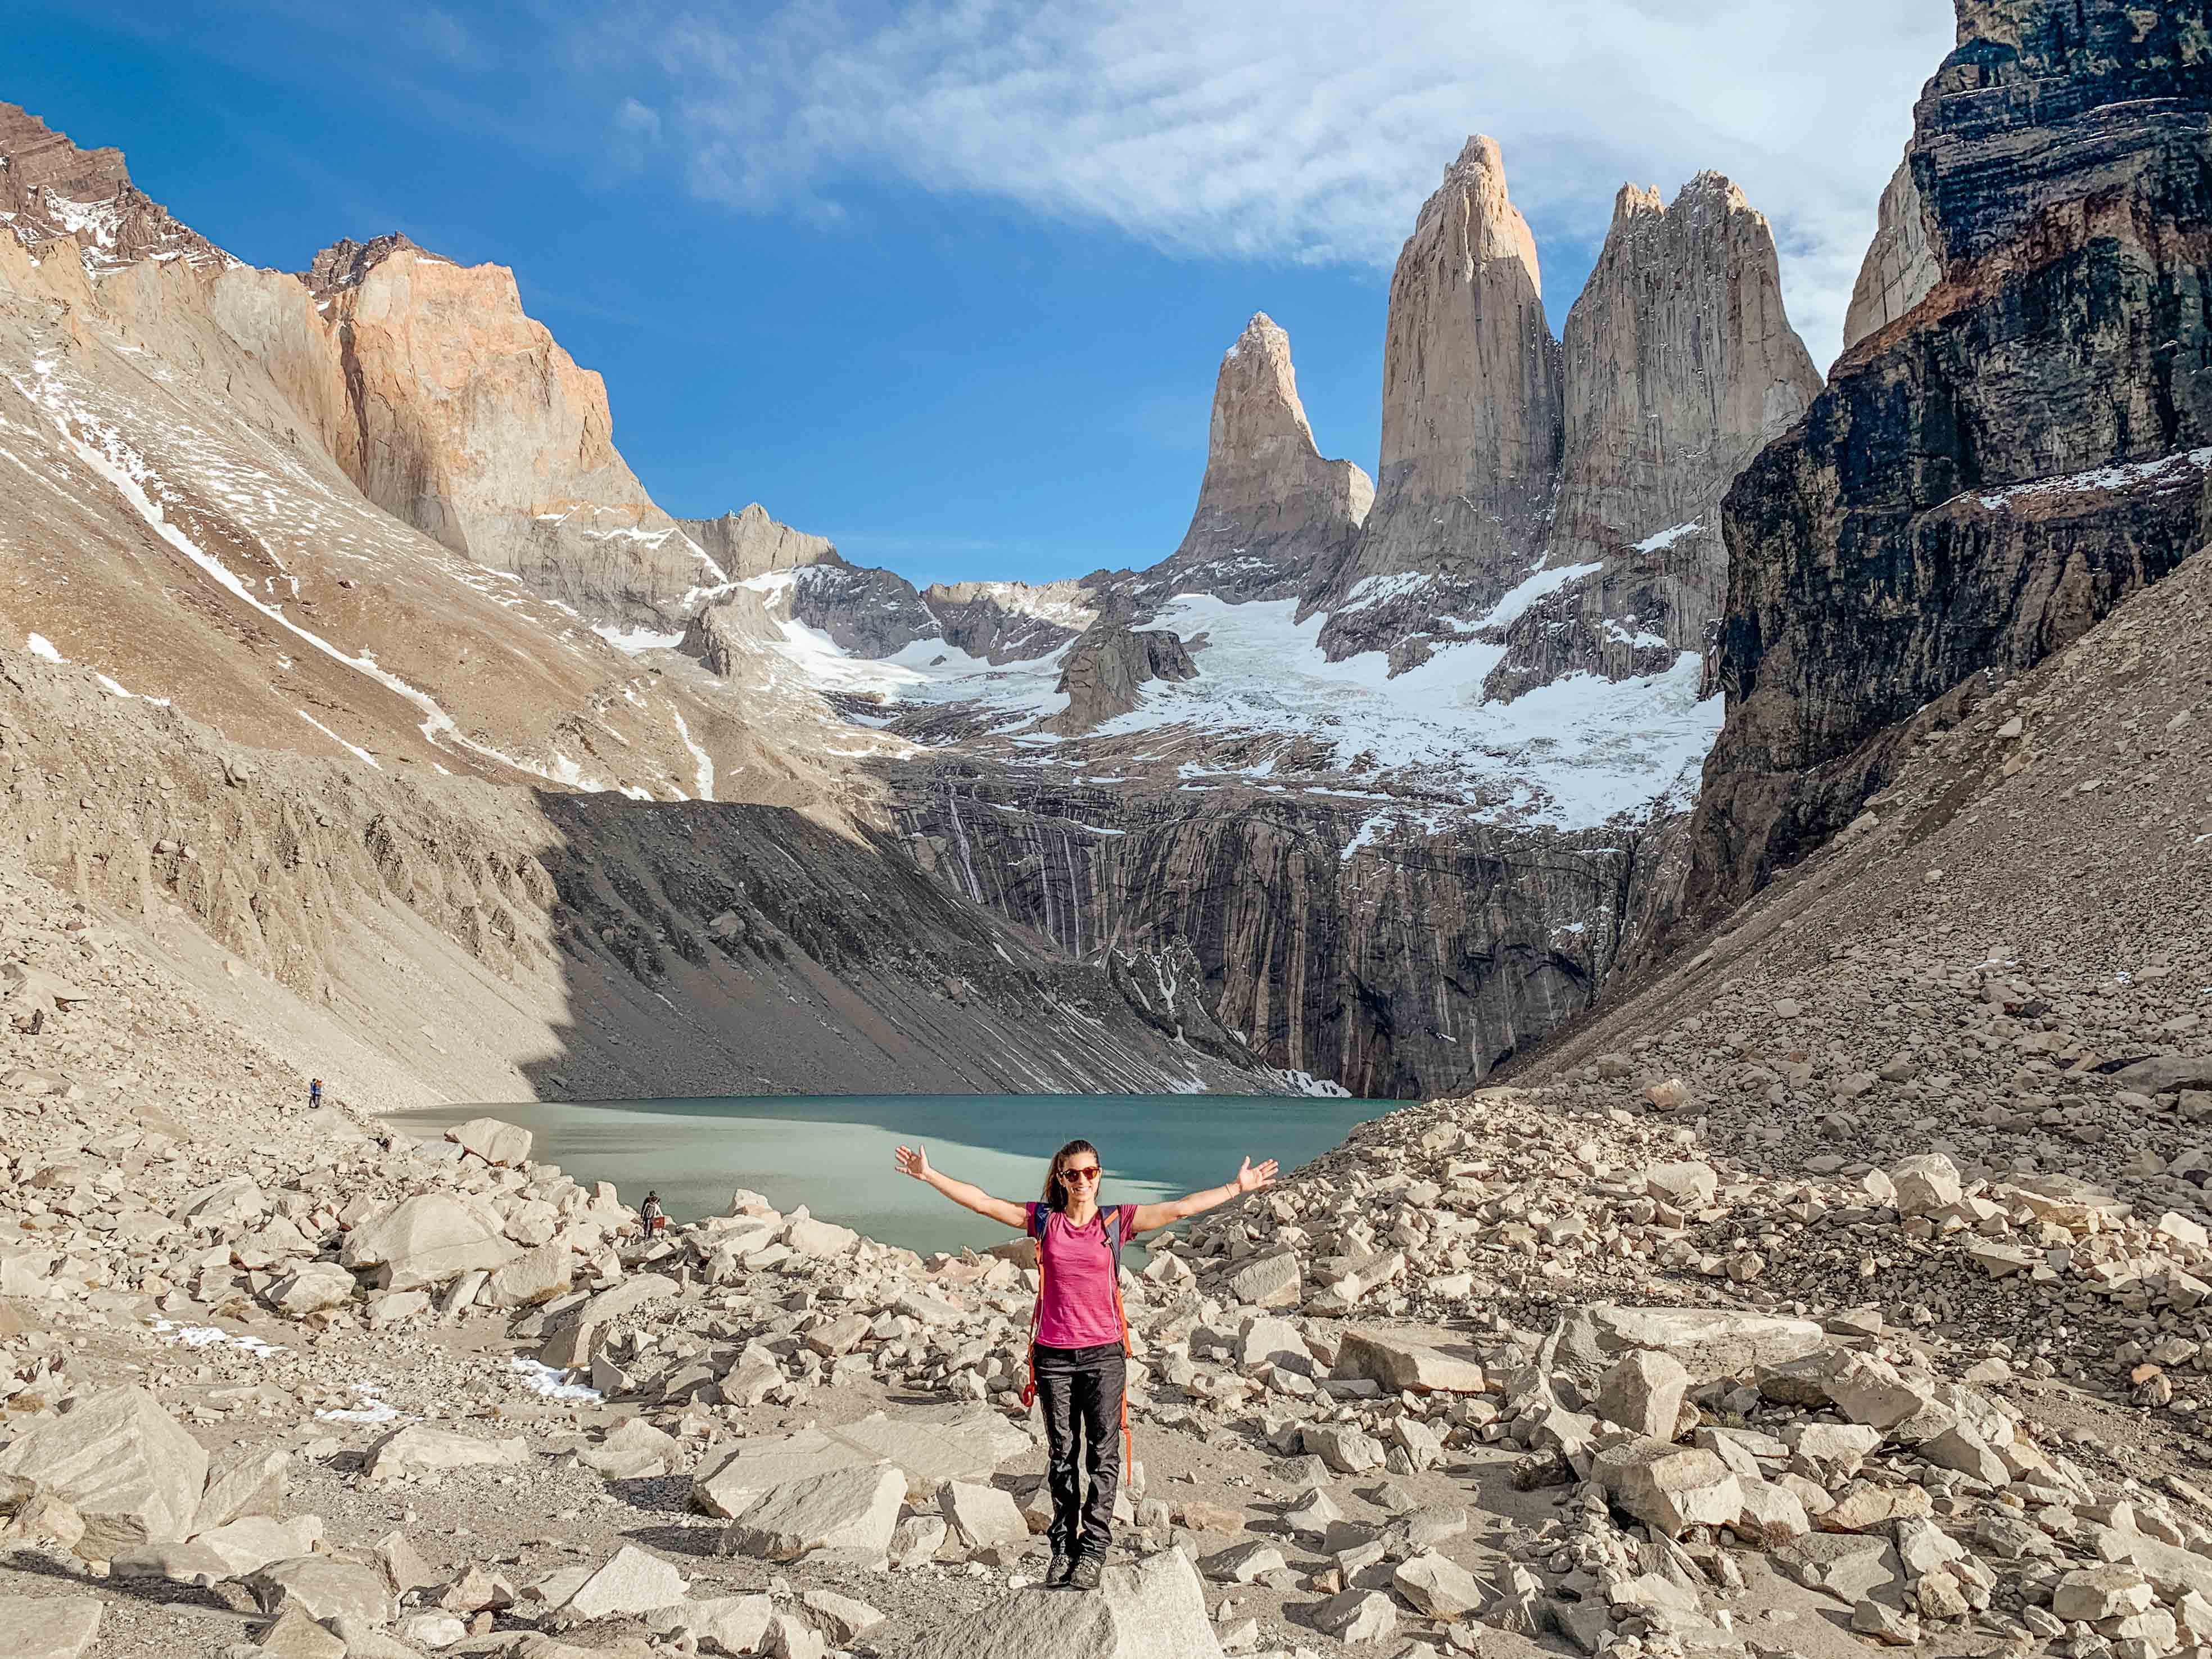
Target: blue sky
x,y
949,282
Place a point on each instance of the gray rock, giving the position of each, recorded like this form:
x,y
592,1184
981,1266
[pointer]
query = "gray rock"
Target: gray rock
x,y
492,1140
1155,1609
1667,1487
427,1239
849,1509
323,1588
630,1582
1437,1587
126,1466
1643,1393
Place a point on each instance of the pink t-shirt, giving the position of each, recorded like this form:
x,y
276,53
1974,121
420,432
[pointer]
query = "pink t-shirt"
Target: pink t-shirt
x,y
1077,1305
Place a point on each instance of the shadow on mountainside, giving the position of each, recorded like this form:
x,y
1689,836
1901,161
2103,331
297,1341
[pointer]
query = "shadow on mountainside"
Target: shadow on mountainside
x,y
444,938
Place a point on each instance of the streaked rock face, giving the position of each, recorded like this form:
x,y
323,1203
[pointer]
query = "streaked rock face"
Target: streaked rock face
x,y
481,431
1899,267
1471,409
1271,512
1680,364
1987,478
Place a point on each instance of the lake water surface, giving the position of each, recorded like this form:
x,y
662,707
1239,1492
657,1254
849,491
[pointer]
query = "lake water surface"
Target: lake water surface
x,y
833,1152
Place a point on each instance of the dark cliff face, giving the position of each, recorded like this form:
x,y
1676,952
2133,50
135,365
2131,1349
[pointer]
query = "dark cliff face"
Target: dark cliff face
x,y
1332,937
1988,474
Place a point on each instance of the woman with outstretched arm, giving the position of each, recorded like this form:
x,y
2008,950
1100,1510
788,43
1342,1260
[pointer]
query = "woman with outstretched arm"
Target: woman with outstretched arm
x,y
1080,1341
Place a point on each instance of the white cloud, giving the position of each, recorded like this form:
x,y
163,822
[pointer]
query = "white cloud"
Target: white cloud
x,y
1309,130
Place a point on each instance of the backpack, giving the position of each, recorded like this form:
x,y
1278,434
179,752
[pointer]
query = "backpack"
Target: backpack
x,y
1109,1216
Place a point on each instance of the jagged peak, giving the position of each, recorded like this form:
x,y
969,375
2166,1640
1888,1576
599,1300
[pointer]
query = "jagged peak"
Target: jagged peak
x,y
1633,201
1261,331
1474,184
345,262
1478,156
51,187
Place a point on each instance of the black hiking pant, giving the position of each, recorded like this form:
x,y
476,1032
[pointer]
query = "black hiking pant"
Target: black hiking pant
x,y
1081,1391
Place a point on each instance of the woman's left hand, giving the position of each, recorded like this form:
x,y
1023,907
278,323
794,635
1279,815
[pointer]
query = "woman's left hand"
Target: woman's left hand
x,y
1250,1180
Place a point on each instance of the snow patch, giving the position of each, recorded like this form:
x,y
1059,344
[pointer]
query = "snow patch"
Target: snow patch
x,y
213,1336
542,1378
358,753
1666,538
637,638
39,646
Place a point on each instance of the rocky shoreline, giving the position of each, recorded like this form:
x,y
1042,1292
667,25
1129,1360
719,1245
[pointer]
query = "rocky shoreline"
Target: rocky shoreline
x,y
1594,1366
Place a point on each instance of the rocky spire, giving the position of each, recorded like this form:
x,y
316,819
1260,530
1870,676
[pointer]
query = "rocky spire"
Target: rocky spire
x,y
1272,514
1471,412
1899,267
50,188
1680,364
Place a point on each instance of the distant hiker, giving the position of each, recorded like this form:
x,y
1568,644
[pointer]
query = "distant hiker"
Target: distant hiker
x,y
652,1214
314,1092
1079,1334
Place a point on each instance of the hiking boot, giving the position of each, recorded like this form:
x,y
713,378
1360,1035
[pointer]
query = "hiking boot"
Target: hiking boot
x,y
1087,1569
1062,1569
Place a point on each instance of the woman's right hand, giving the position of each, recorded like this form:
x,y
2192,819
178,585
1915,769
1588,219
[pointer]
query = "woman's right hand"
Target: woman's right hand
x,y
914,1161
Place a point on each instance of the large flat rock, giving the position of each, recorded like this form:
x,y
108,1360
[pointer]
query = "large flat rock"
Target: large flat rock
x,y
1155,1609
127,1467
48,1626
1708,1342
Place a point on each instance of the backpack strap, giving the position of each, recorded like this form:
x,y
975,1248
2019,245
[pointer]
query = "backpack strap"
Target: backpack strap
x,y
1039,1219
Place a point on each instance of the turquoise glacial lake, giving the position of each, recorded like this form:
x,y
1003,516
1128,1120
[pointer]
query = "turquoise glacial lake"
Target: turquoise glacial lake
x,y
833,1152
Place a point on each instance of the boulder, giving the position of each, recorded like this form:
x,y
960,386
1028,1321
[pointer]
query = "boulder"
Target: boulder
x,y
839,1618
1344,1448
982,1516
1356,1615
1398,1364
492,1140
1643,1393
1437,1587
1267,1341
294,1635
1153,1610
250,1543
1688,1185
1772,1514
851,1509
733,1477
1925,1184
418,1448
323,1588
1848,1565
317,1286
1269,1281
126,1466
1669,1488
630,1582
535,1276
242,1482
427,1239
48,1626
1709,1343
822,1238
718,1623
227,1202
